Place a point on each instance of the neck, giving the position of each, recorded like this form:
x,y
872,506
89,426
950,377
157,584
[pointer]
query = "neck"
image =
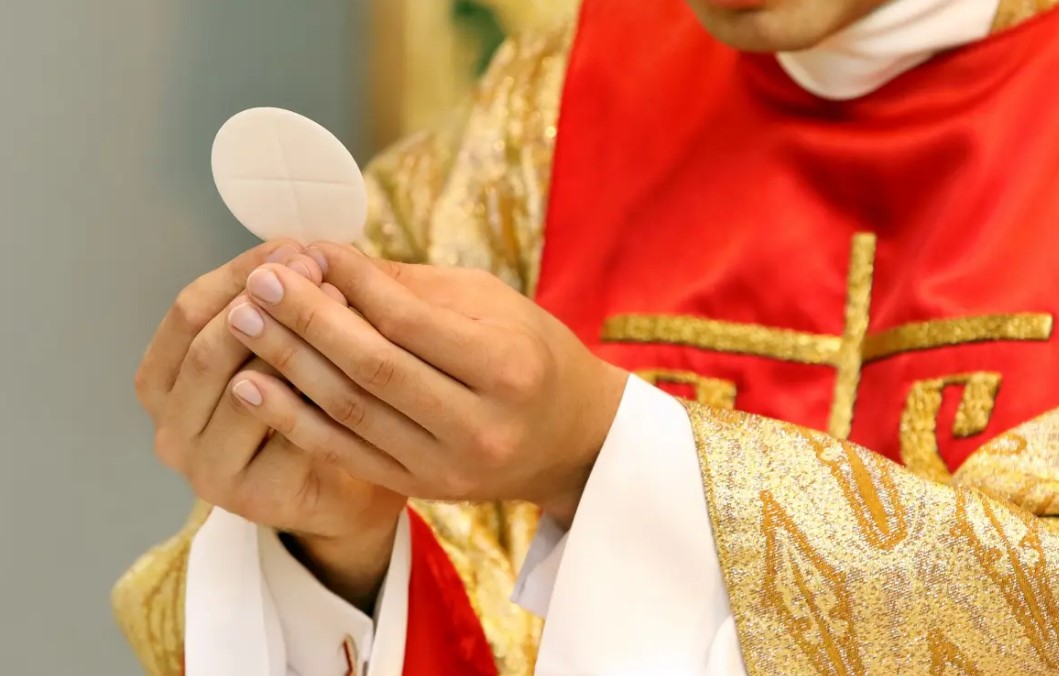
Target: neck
x,y
897,37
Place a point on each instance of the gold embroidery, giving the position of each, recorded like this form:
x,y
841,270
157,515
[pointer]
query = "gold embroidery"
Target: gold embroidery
x,y
871,493
718,336
960,331
919,441
946,659
810,594
708,391
1013,557
976,405
849,352
849,358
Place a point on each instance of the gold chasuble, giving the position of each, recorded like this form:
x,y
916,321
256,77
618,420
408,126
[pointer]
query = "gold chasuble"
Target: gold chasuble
x,y
882,269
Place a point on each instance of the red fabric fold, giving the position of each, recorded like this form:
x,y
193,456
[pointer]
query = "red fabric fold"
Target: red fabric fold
x,y
444,637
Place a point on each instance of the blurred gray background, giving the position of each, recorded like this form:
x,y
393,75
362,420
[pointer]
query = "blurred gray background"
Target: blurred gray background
x,y
107,112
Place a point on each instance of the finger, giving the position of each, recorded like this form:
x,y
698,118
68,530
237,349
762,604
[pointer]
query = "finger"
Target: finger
x,y
332,292
448,340
306,267
213,357
229,442
383,369
328,387
274,404
195,306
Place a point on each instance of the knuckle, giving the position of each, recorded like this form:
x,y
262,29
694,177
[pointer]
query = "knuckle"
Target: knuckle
x,y
493,445
167,448
307,322
141,383
327,453
285,358
379,369
457,486
349,411
198,361
521,378
394,322
284,422
188,311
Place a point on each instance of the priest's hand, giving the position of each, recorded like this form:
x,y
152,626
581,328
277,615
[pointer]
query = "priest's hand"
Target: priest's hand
x,y
443,384
344,527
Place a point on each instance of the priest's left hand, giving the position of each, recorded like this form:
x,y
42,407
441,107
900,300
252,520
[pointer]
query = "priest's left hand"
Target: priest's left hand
x,y
499,399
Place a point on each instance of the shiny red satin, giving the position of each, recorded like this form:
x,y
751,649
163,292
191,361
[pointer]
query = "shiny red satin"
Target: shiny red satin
x,y
692,180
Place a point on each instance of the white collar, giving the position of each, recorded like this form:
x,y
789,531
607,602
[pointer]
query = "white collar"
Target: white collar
x,y
893,39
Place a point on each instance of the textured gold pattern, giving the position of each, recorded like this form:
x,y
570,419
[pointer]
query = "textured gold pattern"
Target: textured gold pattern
x,y
1021,466
946,659
149,600
960,331
713,392
490,214
814,591
849,359
808,594
721,336
1012,554
919,443
870,492
1013,12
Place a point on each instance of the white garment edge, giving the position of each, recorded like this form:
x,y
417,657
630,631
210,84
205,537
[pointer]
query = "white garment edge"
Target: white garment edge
x,y
251,608
892,40
635,586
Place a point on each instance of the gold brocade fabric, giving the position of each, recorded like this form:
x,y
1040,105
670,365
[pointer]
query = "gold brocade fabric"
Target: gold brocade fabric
x,y
1020,466
149,600
838,561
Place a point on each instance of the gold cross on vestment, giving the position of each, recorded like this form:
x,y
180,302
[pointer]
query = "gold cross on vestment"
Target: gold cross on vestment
x,y
847,353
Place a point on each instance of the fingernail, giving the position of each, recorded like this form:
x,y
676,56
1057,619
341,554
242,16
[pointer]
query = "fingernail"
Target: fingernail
x,y
282,254
246,320
300,268
248,392
265,286
318,256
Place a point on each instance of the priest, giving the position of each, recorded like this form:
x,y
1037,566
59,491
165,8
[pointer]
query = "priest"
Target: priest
x,y
813,228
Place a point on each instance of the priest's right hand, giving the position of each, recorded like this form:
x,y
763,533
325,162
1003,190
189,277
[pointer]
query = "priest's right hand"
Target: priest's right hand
x,y
344,527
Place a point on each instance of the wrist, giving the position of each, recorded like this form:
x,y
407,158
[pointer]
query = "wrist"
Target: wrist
x,y
611,381
353,565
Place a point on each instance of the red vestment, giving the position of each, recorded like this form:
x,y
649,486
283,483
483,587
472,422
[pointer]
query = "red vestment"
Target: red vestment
x,y
831,264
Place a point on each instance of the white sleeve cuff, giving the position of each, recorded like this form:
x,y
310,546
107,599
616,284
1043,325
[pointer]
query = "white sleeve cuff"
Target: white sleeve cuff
x,y
636,585
252,608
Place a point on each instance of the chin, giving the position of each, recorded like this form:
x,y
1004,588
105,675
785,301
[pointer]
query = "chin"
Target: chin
x,y
781,26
